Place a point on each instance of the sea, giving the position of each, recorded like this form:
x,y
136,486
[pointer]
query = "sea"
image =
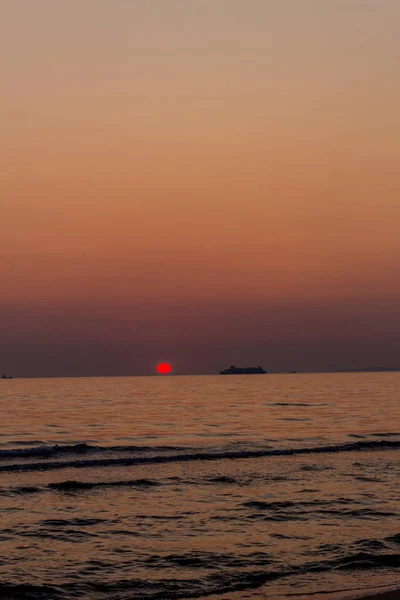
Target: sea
x,y
281,486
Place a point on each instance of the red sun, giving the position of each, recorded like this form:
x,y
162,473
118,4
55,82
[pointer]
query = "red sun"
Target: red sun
x,y
164,368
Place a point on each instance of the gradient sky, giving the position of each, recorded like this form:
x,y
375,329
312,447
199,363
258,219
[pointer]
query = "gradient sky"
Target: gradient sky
x,y
206,182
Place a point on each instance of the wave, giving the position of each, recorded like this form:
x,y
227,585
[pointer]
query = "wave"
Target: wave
x,y
44,451
296,404
85,485
220,581
144,483
164,454
276,511
390,434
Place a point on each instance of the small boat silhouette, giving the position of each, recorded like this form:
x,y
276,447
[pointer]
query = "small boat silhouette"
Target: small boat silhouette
x,y
6,376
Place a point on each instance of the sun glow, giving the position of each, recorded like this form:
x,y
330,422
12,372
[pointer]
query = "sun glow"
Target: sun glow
x,y
164,368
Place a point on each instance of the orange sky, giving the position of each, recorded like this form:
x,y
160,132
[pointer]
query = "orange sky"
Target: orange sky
x,y
174,173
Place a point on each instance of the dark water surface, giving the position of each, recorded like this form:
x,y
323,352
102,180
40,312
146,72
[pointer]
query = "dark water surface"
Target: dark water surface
x,y
274,486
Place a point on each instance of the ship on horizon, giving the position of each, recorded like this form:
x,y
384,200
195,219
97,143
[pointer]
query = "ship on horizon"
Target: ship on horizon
x,y
243,371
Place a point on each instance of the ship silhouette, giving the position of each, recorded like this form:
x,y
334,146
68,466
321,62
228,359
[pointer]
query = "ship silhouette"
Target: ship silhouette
x,y
243,371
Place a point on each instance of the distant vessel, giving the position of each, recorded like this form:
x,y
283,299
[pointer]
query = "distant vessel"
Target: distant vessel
x,y
242,371
6,377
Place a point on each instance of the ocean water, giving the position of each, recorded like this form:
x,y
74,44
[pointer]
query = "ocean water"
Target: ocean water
x,y
264,486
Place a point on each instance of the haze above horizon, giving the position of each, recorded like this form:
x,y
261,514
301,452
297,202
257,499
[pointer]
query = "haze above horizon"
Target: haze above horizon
x,y
206,183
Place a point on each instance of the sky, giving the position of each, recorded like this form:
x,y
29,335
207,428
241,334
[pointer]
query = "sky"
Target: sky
x,y
204,182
